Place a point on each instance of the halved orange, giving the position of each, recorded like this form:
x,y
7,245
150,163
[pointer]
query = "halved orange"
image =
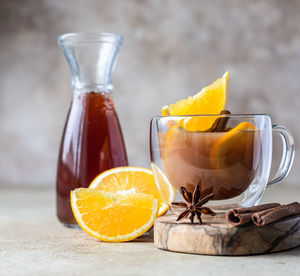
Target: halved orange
x,y
210,100
164,186
113,217
132,179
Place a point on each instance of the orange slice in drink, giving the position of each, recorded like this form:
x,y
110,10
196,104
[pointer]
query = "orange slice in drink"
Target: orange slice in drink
x,y
134,180
234,143
113,217
210,100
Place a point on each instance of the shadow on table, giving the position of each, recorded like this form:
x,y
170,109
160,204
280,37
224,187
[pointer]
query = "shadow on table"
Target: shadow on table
x,y
147,237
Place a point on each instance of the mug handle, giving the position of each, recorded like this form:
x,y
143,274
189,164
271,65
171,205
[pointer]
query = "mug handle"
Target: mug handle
x,y
287,155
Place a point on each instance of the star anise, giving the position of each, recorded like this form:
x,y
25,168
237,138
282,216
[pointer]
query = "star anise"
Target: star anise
x,y
194,204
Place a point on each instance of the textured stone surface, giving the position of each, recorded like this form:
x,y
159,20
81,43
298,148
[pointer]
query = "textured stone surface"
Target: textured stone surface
x,y
216,237
32,242
172,48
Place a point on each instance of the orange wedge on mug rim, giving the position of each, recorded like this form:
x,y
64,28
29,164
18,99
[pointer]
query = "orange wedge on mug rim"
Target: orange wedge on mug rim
x,y
210,100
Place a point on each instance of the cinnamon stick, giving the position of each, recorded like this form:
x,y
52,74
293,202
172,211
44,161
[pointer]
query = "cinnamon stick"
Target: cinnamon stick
x,y
268,216
243,215
219,124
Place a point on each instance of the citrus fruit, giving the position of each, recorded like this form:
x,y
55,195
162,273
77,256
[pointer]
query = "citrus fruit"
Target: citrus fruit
x,y
235,144
210,100
164,186
186,158
113,217
235,158
135,179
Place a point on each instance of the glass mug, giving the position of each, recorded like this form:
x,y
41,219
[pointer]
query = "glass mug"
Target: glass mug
x,y
227,155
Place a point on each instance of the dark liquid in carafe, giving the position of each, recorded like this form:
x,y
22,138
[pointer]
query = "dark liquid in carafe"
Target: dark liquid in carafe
x,y
92,142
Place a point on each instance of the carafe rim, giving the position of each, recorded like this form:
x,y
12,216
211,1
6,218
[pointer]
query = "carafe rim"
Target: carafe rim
x,y
68,39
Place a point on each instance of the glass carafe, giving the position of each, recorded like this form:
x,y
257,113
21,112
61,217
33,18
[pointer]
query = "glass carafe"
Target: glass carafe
x,y
92,140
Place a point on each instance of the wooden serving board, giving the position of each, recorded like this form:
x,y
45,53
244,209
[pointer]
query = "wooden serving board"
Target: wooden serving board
x,y
217,237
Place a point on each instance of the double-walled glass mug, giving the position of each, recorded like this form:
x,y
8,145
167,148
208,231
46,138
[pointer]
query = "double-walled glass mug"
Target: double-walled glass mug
x,y
228,156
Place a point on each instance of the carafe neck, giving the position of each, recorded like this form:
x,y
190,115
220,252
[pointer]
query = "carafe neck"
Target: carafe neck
x,y
91,57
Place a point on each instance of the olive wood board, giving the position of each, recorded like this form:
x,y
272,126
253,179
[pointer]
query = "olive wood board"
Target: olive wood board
x,y
217,237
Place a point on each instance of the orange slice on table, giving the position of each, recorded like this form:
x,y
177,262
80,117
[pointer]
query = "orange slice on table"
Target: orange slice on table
x,y
134,180
113,217
210,100
235,143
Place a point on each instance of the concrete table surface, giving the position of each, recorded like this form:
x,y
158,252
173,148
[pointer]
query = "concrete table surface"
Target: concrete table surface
x,y
33,242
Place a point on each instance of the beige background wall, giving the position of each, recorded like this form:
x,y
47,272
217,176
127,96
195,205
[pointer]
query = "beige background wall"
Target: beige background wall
x,y
171,50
